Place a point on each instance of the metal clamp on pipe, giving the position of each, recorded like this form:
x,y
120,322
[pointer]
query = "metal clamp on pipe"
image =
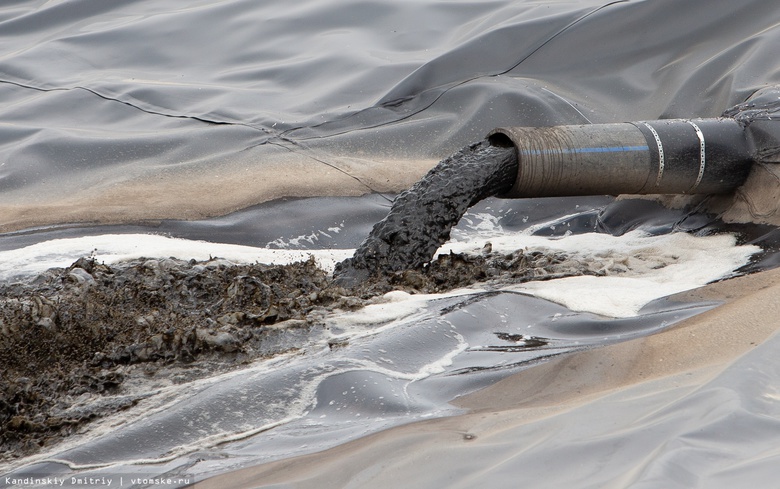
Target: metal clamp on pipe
x,y
675,156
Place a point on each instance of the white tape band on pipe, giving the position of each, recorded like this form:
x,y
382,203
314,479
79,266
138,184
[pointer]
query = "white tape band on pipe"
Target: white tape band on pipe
x,y
702,161
660,154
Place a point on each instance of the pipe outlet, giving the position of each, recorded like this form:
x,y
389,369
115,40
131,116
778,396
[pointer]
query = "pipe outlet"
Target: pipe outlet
x,y
675,156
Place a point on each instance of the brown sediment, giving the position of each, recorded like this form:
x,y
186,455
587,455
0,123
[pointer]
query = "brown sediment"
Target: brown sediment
x,y
72,338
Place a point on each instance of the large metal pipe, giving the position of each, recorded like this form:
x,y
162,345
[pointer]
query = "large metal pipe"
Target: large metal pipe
x,y
675,156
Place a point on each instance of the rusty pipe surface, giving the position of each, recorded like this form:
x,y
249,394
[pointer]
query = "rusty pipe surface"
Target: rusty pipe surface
x,y
674,156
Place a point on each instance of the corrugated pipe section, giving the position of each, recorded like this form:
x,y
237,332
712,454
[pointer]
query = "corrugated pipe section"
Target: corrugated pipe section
x,y
674,156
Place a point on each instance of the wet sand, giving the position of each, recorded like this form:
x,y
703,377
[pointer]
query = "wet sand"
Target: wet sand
x,y
265,176
507,420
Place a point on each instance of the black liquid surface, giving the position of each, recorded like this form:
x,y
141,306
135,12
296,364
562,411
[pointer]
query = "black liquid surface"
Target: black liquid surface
x,y
421,217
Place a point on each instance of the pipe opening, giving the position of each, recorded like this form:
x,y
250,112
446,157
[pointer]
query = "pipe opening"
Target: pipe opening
x,y
500,140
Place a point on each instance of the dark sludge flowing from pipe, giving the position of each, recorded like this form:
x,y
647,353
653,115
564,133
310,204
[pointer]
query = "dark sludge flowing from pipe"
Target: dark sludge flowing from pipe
x,y
671,156
420,219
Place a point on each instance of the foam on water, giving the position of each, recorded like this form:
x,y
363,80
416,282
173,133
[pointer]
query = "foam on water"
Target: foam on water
x,y
649,266
114,248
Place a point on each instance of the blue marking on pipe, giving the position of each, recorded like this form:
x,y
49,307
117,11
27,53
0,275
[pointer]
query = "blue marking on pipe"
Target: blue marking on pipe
x,y
610,149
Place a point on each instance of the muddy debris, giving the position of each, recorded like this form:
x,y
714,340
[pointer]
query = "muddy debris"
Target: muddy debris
x,y
421,217
82,330
71,338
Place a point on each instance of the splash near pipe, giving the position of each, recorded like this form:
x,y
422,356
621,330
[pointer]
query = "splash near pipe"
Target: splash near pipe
x,y
676,156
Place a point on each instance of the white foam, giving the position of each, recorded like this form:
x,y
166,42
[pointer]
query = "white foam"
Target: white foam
x,y
310,239
112,248
639,268
654,266
392,306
